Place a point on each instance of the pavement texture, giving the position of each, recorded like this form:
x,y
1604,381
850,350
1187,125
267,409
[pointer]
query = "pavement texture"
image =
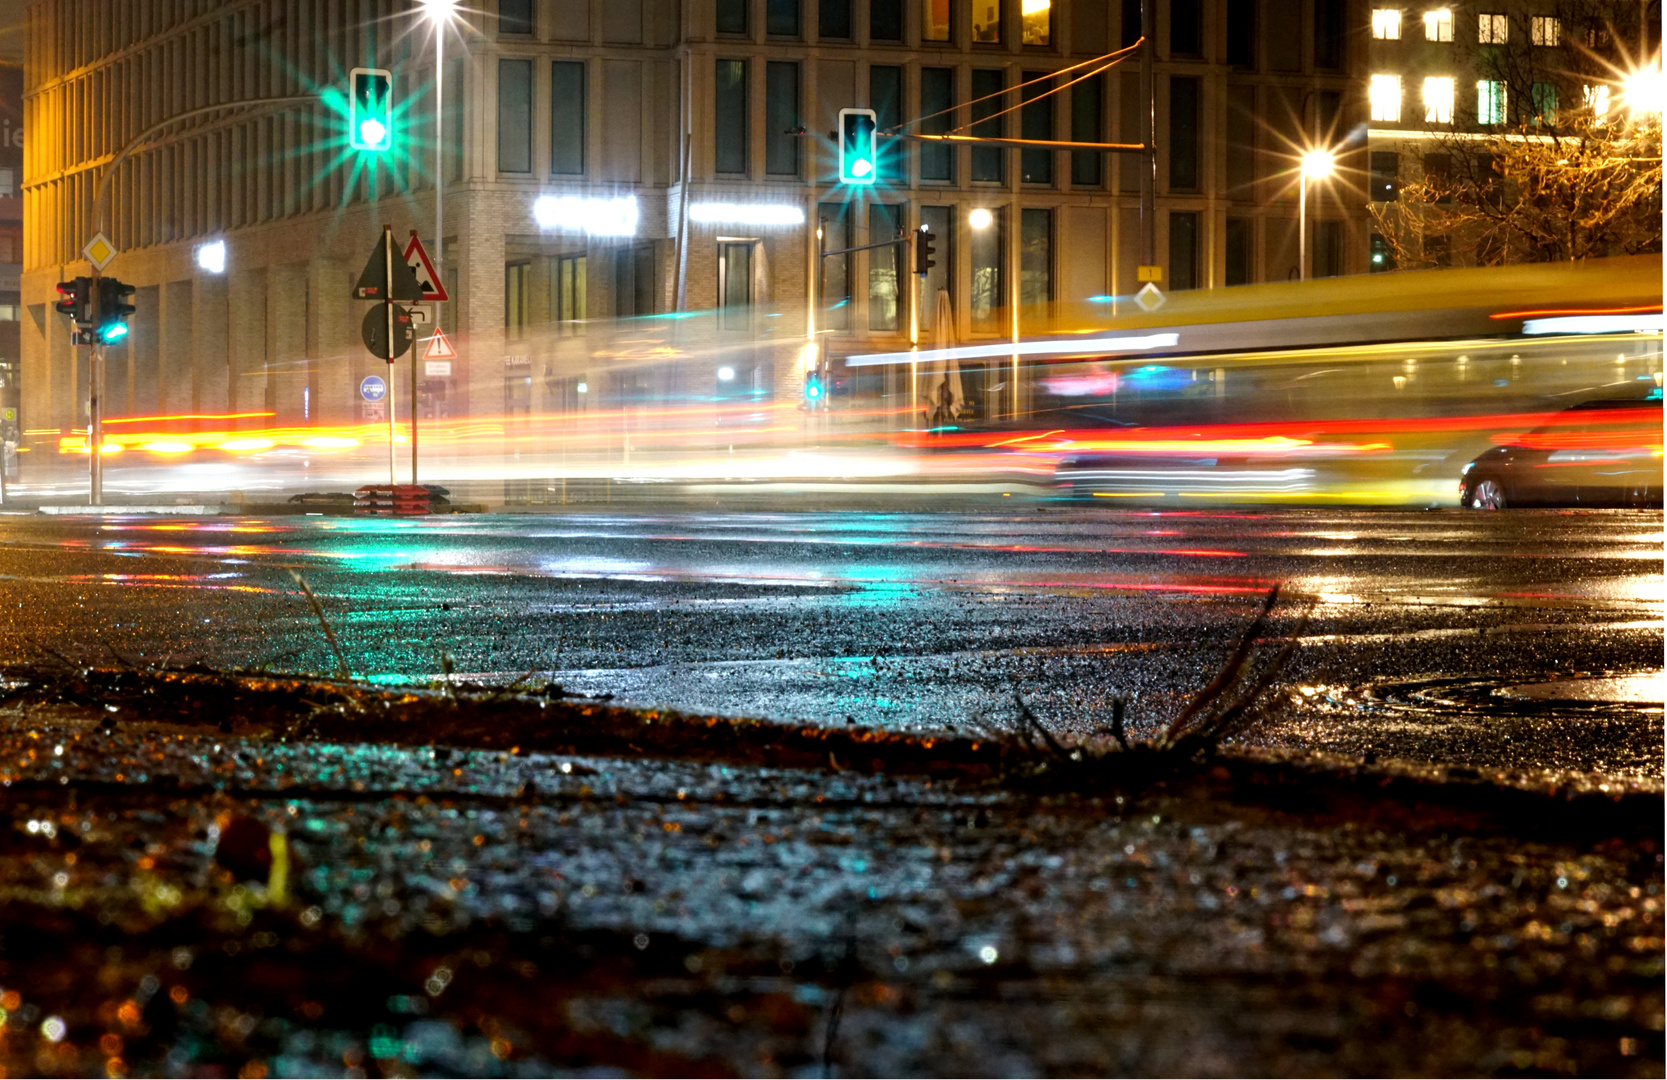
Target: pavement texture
x,y
1397,870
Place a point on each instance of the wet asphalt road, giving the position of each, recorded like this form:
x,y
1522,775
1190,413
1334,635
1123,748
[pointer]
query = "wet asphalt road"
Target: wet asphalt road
x,y
456,910
1417,624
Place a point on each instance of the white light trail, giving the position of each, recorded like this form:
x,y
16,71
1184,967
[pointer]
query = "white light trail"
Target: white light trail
x,y
1076,347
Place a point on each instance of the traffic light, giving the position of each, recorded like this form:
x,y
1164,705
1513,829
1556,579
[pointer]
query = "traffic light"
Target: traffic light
x,y
813,388
113,309
924,250
857,163
370,109
74,298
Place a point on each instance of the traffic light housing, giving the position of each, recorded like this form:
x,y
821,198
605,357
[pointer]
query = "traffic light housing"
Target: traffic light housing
x,y
813,388
74,300
370,121
924,250
857,161
113,309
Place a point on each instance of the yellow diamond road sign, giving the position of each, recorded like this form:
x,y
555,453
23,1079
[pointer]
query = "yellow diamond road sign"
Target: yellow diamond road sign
x,y
99,251
1150,298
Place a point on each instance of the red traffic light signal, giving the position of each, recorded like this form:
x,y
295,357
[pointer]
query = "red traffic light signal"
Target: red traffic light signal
x,y
73,300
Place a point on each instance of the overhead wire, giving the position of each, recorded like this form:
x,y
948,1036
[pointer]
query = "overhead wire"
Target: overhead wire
x,y
1116,57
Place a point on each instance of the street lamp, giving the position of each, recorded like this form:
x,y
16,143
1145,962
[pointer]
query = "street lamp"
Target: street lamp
x,y
980,218
439,14
1316,165
1644,91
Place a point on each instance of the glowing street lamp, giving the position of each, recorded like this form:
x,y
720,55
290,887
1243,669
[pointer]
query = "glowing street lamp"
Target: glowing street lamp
x,y
1644,92
1316,165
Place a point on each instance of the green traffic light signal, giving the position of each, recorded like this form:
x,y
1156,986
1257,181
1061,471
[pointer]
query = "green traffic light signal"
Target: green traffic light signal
x,y
113,309
370,109
857,160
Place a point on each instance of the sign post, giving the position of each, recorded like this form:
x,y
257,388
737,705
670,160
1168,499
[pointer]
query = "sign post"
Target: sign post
x,y
434,292
387,333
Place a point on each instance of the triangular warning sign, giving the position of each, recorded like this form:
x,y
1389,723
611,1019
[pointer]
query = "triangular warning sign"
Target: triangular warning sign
x,y
416,257
373,280
439,347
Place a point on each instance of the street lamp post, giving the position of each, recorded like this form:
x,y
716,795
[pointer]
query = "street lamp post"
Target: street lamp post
x,y
1316,165
439,14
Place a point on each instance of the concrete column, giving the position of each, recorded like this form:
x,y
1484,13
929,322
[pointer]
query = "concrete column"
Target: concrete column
x,y
246,335
480,317
210,350
333,340
288,369
176,354
144,356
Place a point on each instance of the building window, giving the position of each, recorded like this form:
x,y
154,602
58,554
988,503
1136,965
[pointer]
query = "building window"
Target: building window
x,y
1035,262
937,100
1240,232
1131,21
1328,34
1438,100
781,119
1545,30
1438,25
515,17
1437,251
986,22
834,20
735,284
729,118
1490,102
988,293
834,219
516,275
885,20
732,16
1492,29
1036,21
1386,24
1186,36
934,20
1183,133
885,97
1543,98
8,185
1595,98
1438,176
515,116
1385,95
885,267
634,281
567,118
1381,184
569,283
1036,122
1087,125
1183,249
1241,33
781,18
987,161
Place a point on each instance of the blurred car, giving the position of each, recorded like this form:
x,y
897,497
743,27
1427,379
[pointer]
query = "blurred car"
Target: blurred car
x,y
1600,453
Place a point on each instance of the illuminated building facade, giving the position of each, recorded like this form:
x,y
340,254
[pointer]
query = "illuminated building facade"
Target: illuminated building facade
x,y
621,159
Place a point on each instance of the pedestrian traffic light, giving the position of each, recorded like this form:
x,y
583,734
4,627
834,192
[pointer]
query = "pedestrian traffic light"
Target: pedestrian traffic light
x,y
857,163
113,309
74,298
924,239
370,109
813,387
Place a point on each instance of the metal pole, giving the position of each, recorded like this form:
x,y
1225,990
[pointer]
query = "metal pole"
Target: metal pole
x,y
388,304
1148,136
439,216
1302,227
95,424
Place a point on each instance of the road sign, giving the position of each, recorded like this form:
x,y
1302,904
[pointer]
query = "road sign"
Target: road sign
x,y
416,257
439,347
1149,273
8,414
374,332
1150,298
373,279
437,368
373,388
99,251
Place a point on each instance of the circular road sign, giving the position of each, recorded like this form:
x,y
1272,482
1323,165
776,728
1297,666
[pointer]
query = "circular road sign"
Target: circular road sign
x,y
373,388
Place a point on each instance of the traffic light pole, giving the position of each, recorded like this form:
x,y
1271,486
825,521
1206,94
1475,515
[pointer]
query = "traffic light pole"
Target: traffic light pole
x,y
388,307
95,424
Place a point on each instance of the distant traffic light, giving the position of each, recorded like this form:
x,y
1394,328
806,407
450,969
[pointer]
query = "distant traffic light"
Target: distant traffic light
x,y
813,388
370,109
113,309
924,250
857,161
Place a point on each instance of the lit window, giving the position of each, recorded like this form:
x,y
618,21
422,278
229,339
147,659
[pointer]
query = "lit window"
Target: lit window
x,y
1492,29
1544,99
1036,21
1386,24
1385,93
1596,98
1545,30
1438,25
1490,102
1438,100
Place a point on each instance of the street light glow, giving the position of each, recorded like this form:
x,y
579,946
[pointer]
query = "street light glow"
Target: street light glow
x,y
212,257
1644,91
437,11
980,218
1318,164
